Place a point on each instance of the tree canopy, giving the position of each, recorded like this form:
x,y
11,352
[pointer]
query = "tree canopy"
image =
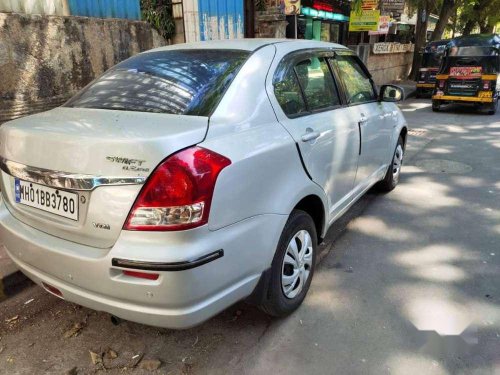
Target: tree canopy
x,y
477,15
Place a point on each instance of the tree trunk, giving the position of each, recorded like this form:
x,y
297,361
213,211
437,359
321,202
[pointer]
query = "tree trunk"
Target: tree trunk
x,y
446,12
486,28
420,37
469,25
455,19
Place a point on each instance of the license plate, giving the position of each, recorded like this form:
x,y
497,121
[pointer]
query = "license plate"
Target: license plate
x,y
55,201
461,86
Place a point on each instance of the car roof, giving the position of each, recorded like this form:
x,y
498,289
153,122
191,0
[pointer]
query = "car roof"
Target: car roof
x,y
250,44
484,40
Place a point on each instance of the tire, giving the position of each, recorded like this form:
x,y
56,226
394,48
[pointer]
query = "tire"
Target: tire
x,y
493,107
418,94
435,106
391,178
282,299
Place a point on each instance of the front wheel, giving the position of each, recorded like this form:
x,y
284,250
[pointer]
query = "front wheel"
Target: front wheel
x,y
293,266
391,178
435,106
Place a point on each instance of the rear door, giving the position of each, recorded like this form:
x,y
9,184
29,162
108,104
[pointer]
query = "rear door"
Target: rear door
x,y
309,107
371,117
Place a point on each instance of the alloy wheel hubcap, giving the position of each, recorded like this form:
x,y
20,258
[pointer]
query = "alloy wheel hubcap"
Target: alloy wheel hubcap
x,y
297,264
396,163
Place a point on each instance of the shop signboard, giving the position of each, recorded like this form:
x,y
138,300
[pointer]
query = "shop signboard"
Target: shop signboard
x,y
306,11
381,48
394,6
366,20
292,7
383,26
369,5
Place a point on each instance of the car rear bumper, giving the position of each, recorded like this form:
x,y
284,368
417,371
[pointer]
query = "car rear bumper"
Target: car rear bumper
x,y
468,99
178,298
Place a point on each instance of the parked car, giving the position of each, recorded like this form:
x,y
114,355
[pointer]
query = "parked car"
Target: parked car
x,y
190,177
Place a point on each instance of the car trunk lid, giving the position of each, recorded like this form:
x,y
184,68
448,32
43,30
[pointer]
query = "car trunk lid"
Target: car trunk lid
x,y
103,156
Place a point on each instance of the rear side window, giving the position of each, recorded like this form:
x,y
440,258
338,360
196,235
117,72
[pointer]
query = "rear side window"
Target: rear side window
x,y
186,82
288,94
317,83
358,86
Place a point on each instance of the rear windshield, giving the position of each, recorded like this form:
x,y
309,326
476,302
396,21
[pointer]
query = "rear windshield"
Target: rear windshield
x,y
187,82
473,51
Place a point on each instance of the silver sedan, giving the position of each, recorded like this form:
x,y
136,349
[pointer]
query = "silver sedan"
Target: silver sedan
x,y
190,177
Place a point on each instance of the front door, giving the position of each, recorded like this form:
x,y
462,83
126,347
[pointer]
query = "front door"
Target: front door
x,y
312,113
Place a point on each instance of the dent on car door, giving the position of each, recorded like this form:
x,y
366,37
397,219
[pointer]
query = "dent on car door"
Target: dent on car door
x,y
312,113
368,114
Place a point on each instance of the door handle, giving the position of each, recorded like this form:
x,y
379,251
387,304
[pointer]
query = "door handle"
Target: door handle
x,y
310,136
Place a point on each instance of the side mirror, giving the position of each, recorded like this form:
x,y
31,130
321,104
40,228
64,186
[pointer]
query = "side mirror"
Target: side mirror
x,y
391,93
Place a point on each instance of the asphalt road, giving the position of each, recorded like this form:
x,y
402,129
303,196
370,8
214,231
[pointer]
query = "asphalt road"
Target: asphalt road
x,y
408,283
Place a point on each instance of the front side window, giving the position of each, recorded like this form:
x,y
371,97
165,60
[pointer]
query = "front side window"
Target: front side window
x,y
358,86
317,84
184,82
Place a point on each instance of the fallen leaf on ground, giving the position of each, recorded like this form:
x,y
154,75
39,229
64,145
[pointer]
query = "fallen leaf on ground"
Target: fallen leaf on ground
x,y
95,358
74,331
111,354
150,364
13,319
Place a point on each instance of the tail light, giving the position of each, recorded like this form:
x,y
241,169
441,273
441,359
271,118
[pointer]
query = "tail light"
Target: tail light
x,y
179,192
441,83
486,85
142,275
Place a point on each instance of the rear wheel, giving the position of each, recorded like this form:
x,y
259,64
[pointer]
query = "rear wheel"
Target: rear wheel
x,y
293,266
435,106
391,178
493,107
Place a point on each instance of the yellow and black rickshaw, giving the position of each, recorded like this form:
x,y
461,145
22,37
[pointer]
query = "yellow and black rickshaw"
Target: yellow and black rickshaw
x,y
431,61
469,73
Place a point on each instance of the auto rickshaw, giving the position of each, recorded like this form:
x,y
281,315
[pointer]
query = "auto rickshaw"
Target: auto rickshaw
x,y
431,61
469,72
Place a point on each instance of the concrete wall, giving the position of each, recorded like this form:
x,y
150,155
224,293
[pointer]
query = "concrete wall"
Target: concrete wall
x,y
44,60
389,67
270,23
